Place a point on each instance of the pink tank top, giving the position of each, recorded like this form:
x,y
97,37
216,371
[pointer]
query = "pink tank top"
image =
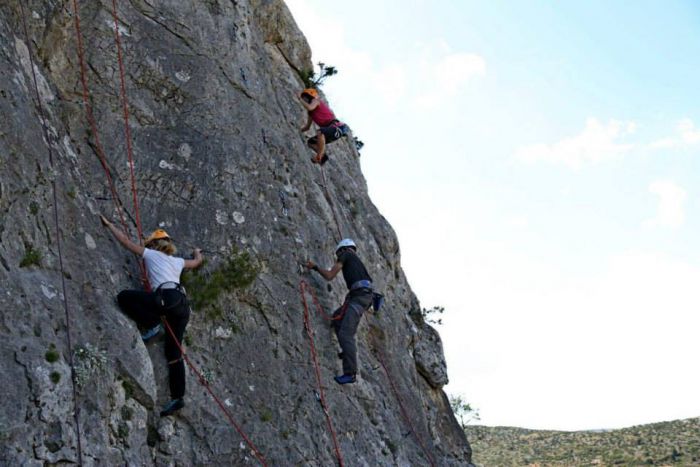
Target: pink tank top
x,y
322,115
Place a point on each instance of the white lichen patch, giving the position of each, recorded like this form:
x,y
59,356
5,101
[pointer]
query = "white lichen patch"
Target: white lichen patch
x,y
222,333
183,76
69,149
90,242
19,81
90,362
184,151
221,217
165,165
123,30
48,291
44,88
238,217
228,403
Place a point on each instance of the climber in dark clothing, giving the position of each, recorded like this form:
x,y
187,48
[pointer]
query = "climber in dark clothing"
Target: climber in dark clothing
x,y
357,301
329,127
168,300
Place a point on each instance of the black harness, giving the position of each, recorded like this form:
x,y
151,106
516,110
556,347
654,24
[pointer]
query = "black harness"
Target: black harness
x,y
171,286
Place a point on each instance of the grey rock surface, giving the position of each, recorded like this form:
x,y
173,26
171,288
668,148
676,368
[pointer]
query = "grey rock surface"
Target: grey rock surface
x,y
220,163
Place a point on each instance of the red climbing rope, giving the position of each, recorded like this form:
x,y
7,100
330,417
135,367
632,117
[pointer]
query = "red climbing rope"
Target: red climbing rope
x,y
203,381
380,358
44,125
320,308
91,116
330,201
127,129
127,135
303,287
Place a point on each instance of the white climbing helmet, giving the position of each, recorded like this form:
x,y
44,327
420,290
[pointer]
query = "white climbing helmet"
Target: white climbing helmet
x,y
344,243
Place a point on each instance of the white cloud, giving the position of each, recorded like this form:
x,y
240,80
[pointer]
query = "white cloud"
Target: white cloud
x,y
434,67
328,43
390,83
448,75
671,208
579,348
686,135
596,143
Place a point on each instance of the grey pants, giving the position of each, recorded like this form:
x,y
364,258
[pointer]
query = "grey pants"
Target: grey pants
x,y
345,328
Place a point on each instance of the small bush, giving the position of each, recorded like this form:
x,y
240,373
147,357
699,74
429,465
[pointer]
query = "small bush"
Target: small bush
x,y
266,415
463,411
128,390
51,355
55,377
123,430
204,288
34,208
127,412
312,79
31,257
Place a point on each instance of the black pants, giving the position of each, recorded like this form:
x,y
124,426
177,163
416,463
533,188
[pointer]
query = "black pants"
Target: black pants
x,y
356,303
145,308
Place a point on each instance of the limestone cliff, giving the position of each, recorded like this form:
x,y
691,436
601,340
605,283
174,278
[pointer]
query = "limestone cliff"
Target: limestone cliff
x,y
220,163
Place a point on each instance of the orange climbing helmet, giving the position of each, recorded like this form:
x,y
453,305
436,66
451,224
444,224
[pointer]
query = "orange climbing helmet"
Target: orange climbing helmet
x,y
157,235
311,92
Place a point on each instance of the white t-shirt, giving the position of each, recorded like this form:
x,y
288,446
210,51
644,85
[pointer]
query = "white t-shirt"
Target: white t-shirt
x,y
162,268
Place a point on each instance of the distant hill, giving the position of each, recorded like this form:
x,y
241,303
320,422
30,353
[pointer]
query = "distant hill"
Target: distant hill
x,y
665,443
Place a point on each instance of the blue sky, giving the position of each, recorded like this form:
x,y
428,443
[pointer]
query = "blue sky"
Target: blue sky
x,y
551,152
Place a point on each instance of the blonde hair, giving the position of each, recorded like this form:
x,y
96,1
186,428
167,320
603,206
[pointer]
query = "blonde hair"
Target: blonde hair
x,y
164,245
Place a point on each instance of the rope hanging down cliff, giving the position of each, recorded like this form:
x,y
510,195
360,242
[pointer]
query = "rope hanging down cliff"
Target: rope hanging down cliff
x,y
380,358
330,201
127,128
115,198
203,381
44,126
303,287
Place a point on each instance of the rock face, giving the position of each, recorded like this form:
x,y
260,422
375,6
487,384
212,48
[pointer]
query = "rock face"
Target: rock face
x,y
219,163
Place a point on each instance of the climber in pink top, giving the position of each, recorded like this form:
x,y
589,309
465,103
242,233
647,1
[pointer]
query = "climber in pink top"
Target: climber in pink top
x,y
329,127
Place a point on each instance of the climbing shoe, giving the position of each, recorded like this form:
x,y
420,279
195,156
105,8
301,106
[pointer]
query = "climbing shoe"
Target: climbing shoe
x,y
151,333
172,407
345,379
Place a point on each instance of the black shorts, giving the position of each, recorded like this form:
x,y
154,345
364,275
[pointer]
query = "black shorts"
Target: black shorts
x,y
331,133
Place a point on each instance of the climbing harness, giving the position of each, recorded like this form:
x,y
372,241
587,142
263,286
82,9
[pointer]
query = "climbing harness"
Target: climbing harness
x,y
171,286
44,125
320,396
380,358
117,202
